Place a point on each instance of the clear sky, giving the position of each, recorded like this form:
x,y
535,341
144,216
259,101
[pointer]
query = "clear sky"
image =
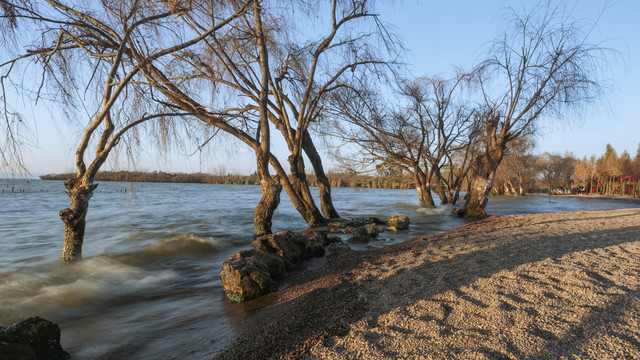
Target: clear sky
x,y
439,35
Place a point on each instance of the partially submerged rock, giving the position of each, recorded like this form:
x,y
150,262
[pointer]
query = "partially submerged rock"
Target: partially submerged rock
x,y
31,338
246,278
373,230
315,241
274,262
360,235
290,246
458,211
399,222
250,273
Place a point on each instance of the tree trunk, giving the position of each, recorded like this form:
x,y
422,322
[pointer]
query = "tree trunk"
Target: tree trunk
x,y
262,218
439,189
455,197
79,191
423,187
482,174
478,196
324,186
270,186
299,185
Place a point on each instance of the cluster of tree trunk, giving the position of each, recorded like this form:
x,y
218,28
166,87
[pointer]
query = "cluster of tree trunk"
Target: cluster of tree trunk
x,y
186,71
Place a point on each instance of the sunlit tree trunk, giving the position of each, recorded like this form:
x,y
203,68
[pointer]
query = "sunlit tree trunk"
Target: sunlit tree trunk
x,y
324,186
79,190
482,174
263,215
270,186
301,187
423,187
439,189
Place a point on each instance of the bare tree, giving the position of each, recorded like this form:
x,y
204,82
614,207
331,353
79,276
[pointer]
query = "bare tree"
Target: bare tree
x,y
90,47
556,172
299,73
542,66
518,170
420,135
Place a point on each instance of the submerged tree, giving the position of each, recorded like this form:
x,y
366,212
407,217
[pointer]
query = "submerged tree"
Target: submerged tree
x,y
81,49
301,69
542,66
423,134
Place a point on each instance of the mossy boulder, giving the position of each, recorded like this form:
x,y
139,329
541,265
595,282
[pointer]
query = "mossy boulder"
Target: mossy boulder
x,y
35,333
398,222
360,235
372,230
274,262
288,245
314,243
13,351
246,278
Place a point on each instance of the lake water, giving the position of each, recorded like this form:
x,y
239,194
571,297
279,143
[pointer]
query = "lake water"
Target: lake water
x,y
149,285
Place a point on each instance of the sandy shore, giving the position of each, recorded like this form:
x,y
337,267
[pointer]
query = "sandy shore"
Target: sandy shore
x,y
543,286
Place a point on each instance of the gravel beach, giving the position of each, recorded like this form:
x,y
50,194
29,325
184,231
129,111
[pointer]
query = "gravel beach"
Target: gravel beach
x,y
543,286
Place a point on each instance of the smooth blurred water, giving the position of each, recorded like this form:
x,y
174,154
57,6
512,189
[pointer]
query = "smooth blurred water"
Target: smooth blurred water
x,y
149,285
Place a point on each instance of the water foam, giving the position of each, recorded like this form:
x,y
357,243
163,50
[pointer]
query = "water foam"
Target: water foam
x,y
58,291
177,245
182,243
440,210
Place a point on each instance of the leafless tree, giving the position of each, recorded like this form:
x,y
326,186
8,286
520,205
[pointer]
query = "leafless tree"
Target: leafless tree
x,y
518,170
101,48
542,66
556,171
301,71
420,135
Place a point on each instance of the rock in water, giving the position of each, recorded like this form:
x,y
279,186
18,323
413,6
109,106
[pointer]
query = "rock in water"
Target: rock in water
x,y
373,230
314,243
399,222
246,278
360,235
291,247
16,352
273,261
32,338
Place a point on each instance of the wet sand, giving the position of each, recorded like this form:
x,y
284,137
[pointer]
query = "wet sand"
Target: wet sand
x,y
543,286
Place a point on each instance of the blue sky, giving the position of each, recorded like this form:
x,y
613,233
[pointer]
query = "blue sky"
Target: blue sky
x,y
439,35
444,34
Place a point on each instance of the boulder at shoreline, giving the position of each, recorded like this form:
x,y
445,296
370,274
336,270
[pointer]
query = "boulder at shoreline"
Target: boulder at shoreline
x,y
252,273
31,338
246,278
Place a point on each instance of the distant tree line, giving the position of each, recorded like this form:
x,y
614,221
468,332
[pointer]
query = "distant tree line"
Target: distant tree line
x,y
608,174
336,179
